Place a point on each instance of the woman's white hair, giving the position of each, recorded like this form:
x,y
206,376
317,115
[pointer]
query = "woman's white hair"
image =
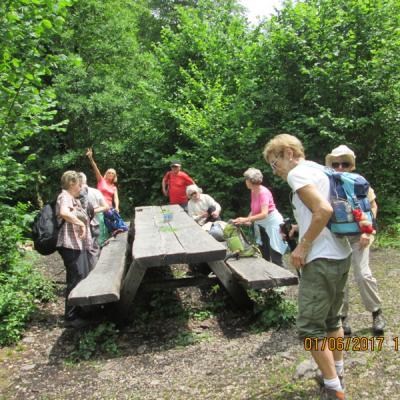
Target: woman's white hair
x,y
254,175
193,189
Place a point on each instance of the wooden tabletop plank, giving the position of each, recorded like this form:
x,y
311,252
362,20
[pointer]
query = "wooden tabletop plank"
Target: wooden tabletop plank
x,y
155,242
197,243
180,240
257,273
147,243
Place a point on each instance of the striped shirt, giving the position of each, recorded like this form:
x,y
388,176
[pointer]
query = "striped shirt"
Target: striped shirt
x,y
68,236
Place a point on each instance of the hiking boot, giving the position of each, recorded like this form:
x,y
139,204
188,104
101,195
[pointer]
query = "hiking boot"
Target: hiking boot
x,y
346,325
331,394
378,322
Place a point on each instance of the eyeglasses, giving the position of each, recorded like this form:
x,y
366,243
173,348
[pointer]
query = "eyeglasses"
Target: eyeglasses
x,y
343,164
273,163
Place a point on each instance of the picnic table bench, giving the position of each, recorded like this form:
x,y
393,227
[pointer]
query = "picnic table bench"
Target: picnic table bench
x,y
156,241
103,284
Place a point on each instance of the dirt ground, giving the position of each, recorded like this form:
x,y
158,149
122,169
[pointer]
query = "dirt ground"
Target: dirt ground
x,y
188,352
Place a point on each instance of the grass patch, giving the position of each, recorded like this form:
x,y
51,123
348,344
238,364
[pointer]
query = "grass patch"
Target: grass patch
x,y
188,338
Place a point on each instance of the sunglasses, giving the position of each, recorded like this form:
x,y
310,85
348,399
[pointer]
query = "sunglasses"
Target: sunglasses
x,y
343,164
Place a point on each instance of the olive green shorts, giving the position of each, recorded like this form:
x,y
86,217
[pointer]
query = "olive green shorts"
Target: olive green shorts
x,y
321,292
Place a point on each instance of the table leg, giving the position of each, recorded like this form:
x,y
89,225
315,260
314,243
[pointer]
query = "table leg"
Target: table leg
x,y
130,286
225,275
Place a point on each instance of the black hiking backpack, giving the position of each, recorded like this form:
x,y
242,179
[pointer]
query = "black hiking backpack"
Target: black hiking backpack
x,y
45,229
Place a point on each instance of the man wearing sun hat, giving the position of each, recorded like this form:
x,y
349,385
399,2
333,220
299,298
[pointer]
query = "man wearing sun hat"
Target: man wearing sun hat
x,y
343,159
174,184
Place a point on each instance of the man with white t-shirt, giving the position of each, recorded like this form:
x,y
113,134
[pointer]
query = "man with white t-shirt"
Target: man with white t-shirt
x,y
323,258
97,202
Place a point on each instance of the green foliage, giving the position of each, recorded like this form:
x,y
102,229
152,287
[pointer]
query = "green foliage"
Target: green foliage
x,y
27,108
14,227
329,74
389,237
21,288
146,81
272,309
26,101
101,339
201,315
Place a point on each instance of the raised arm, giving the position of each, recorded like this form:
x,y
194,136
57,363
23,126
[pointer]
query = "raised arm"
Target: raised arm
x,y
96,170
116,200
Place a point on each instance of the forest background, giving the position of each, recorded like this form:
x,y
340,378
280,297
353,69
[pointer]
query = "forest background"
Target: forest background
x,y
147,81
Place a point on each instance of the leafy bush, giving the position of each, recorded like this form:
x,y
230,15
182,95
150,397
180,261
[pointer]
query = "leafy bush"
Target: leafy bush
x,y
21,288
272,309
14,223
102,338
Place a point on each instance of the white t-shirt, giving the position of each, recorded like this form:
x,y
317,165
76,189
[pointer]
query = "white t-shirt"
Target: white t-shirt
x,y
326,245
96,198
196,208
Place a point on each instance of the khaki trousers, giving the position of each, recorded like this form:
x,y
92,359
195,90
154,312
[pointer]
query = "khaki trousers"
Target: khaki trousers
x,y
366,283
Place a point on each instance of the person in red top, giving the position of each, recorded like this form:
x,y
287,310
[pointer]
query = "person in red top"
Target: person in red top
x,y
174,185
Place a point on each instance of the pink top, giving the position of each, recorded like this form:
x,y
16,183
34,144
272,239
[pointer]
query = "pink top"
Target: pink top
x,y
107,190
264,197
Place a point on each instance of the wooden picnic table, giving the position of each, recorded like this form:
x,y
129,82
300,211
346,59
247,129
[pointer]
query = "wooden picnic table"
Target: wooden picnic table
x,y
158,237
159,241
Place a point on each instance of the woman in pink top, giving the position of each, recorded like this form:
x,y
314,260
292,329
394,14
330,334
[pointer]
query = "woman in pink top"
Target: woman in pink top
x,y
266,218
106,185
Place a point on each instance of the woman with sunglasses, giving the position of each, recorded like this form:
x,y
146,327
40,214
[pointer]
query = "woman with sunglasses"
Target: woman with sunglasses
x,y
202,207
343,159
265,216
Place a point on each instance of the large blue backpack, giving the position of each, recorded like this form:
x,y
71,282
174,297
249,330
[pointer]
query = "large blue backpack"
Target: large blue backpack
x,y
348,192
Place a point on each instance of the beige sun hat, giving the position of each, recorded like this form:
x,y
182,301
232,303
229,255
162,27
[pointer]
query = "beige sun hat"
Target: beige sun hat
x,y
341,151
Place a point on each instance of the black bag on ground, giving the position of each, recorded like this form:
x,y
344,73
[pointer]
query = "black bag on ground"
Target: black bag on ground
x,y
45,229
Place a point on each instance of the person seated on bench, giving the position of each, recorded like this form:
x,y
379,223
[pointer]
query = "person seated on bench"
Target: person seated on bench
x,y
202,207
205,211
265,216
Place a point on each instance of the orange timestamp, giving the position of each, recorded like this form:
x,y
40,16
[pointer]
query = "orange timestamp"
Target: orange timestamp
x,y
355,343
